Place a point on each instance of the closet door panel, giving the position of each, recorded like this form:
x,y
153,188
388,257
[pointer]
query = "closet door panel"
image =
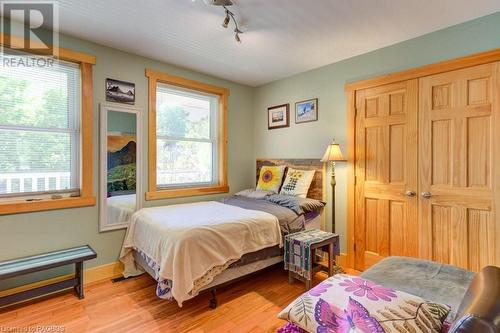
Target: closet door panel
x,y
458,123
386,168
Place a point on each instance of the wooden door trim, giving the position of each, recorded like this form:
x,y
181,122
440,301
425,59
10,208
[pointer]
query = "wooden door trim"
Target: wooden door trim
x,y
351,172
496,156
415,73
431,69
495,107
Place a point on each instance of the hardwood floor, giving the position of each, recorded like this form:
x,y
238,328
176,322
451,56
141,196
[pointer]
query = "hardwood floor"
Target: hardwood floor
x,y
132,306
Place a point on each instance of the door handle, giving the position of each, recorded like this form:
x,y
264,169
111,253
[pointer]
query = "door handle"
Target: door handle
x,y
410,193
426,195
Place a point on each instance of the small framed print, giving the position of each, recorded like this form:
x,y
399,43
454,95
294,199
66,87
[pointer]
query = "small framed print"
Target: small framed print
x,y
278,116
306,111
120,91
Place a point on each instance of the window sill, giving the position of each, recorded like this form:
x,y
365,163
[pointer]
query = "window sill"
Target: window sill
x,y
186,192
16,207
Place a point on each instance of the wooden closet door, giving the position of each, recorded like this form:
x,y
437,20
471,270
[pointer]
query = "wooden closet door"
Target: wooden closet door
x,y
459,166
386,173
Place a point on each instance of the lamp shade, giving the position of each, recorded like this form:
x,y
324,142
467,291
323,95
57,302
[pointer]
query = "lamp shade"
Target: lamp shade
x,y
333,153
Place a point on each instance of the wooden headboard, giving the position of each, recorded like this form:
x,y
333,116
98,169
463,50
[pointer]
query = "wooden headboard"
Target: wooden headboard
x,y
317,189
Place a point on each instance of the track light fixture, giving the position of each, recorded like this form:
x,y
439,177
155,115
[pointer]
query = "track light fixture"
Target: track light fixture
x,y
227,19
229,16
219,2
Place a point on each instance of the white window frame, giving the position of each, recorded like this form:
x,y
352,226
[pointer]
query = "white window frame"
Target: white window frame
x,y
74,130
213,137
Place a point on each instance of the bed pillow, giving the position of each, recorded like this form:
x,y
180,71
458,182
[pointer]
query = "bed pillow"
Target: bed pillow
x,y
344,300
297,182
309,205
254,194
297,204
270,178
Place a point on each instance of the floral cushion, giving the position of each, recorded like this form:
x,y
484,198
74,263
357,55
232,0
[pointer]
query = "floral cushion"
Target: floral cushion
x,y
290,328
345,303
270,178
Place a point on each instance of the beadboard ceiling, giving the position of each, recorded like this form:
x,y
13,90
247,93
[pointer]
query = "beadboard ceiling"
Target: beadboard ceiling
x,y
281,37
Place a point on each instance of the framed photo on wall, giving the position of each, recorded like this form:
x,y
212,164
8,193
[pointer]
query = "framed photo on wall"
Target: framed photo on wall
x,y
120,91
278,116
306,111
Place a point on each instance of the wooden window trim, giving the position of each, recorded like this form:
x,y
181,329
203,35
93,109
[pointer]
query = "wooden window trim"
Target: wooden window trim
x,y
63,54
153,192
86,197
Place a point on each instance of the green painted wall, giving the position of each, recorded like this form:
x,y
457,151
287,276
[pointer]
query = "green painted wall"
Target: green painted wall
x,y
27,234
32,233
122,122
309,140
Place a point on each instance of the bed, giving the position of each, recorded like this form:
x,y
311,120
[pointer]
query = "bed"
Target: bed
x,y
121,207
204,245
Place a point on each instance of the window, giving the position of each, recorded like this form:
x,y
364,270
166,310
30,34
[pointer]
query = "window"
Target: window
x,y
186,134
187,137
39,129
45,121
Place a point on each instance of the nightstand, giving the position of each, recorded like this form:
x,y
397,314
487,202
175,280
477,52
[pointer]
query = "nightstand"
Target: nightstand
x,y
300,254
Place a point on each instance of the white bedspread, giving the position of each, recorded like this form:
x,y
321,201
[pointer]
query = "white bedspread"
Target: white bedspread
x,y
121,208
188,240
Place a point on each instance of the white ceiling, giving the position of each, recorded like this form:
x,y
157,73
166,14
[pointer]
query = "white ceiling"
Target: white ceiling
x,y
281,37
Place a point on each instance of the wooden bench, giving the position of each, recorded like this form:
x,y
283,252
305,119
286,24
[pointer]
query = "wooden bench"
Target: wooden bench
x,y
26,265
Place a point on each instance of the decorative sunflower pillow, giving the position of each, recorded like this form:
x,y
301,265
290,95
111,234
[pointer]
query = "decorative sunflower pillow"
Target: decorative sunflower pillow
x,y
345,303
297,182
270,178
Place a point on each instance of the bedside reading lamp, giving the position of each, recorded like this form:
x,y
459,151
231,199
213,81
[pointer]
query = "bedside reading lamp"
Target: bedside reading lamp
x,y
333,154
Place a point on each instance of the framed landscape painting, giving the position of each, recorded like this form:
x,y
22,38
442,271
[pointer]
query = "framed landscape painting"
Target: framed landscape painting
x,y
306,111
278,116
121,163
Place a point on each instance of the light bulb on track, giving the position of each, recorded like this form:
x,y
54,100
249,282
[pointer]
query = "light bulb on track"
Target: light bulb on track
x,y
226,20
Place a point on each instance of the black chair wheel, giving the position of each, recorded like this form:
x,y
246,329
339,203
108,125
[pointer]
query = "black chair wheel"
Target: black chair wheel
x,y
212,304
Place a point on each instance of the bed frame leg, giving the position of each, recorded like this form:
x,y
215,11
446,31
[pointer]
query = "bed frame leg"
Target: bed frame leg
x,y
213,300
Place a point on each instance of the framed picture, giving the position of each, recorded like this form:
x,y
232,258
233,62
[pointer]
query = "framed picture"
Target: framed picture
x,y
278,116
120,91
306,111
